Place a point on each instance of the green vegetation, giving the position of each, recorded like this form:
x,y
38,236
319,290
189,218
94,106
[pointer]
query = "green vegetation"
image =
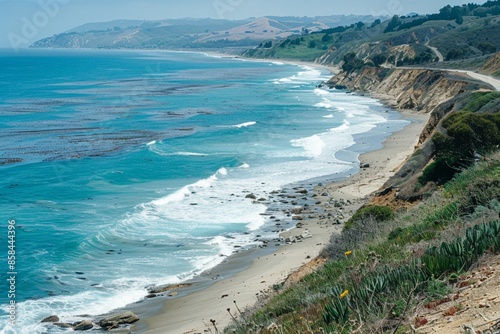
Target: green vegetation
x,y
352,63
480,100
468,135
447,13
456,33
393,24
407,259
307,48
370,213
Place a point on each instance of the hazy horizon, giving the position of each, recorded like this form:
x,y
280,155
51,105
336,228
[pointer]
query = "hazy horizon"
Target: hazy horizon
x,y
26,21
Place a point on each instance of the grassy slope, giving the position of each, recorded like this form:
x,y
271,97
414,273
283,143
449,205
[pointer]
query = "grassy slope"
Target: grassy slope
x,y
469,35
303,51
386,274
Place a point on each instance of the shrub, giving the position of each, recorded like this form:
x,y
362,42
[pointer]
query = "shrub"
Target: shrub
x,y
468,134
327,38
372,212
480,192
351,62
487,47
393,24
379,59
375,23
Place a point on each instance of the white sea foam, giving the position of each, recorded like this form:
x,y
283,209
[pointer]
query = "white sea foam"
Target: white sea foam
x,y
328,116
308,75
313,145
115,294
244,125
159,150
344,128
186,191
190,154
325,104
321,92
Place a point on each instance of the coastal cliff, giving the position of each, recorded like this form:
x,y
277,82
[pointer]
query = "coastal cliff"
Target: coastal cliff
x,y
436,92
416,89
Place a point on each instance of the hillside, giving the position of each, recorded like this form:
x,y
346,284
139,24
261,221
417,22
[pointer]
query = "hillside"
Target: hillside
x,y
189,33
492,66
455,33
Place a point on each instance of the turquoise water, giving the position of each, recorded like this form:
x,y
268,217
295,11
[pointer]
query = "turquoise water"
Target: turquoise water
x,y
124,169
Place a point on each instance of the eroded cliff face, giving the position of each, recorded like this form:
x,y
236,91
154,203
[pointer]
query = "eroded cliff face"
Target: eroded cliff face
x,y
419,90
415,89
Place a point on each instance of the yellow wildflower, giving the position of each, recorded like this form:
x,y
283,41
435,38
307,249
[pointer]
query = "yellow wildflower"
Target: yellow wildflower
x,y
349,252
343,294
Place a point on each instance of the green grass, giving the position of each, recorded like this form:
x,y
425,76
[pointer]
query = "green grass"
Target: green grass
x,y
371,212
480,99
306,48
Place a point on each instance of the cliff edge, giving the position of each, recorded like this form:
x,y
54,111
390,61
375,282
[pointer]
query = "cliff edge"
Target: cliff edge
x,y
437,92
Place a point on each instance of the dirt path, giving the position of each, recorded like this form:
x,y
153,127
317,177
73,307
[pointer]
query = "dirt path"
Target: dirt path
x,y
436,52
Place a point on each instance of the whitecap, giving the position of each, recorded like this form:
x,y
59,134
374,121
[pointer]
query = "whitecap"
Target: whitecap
x,y
190,154
244,125
325,104
320,92
313,145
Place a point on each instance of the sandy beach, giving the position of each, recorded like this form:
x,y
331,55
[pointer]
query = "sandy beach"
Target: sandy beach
x,y
193,312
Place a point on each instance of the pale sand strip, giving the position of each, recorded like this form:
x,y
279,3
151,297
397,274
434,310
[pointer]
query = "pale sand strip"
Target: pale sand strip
x,y
192,313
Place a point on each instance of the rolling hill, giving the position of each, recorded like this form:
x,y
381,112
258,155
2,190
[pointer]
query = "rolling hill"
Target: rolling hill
x,y
190,33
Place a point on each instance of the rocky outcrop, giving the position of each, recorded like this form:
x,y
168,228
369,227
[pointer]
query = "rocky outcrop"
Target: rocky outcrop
x,y
111,322
52,318
118,319
84,325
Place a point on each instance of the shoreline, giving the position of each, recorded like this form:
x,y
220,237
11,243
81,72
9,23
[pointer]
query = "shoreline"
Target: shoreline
x,y
332,69
250,276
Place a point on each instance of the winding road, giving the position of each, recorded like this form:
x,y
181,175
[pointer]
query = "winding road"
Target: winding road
x,y
482,77
494,82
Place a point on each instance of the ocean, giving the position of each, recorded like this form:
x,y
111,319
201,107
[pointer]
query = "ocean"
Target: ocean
x,y
126,169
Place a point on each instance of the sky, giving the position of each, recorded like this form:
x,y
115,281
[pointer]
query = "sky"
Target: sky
x,y
23,22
